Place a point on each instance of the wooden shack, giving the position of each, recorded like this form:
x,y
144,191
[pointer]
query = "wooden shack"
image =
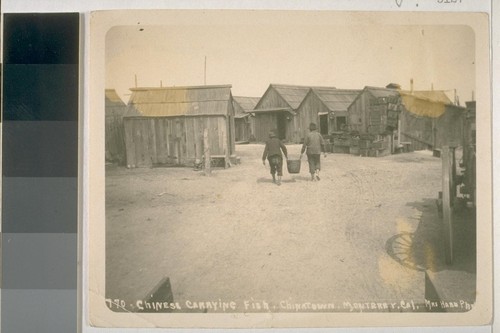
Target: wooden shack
x,y
326,107
406,120
165,126
367,111
429,120
244,124
278,109
115,110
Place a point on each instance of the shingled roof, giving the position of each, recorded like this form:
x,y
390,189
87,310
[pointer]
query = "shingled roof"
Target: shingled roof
x,y
246,103
180,101
293,95
113,103
336,99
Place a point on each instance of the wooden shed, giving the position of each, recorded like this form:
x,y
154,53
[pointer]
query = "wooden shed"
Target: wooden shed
x,y
414,119
326,107
165,126
115,110
244,124
278,109
428,119
367,111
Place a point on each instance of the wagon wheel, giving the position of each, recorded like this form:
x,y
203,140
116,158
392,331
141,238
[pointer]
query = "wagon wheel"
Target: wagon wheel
x,y
400,247
449,193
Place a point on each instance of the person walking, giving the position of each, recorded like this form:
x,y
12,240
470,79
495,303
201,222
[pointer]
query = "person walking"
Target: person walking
x,y
272,152
313,145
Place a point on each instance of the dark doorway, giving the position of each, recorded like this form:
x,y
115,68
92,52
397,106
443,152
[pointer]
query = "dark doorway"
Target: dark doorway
x,y
281,117
323,124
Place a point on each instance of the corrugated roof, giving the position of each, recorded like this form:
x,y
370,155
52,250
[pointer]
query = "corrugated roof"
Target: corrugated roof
x,y
179,101
336,99
246,103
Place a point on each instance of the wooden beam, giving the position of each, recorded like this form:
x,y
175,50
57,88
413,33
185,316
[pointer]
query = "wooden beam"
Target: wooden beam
x,y
206,145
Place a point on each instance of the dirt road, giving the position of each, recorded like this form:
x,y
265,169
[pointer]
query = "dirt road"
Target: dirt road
x,y
237,236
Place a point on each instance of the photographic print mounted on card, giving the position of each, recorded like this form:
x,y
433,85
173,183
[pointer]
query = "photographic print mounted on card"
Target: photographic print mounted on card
x,y
289,169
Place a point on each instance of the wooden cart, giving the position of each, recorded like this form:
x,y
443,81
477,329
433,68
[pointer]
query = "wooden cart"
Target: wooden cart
x,y
458,181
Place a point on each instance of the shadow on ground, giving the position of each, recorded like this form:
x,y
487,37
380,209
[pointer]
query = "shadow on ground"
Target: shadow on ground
x,y
424,249
270,180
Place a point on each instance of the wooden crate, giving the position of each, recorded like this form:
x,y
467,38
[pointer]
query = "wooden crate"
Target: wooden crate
x,y
383,152
363,152
342,142
340,149
354,151
365,144
377,144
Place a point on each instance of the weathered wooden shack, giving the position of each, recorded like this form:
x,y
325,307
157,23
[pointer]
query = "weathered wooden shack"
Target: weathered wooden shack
x,y
326,107
367,111
409,120
165,126
428,119
278,109
243,120
115,110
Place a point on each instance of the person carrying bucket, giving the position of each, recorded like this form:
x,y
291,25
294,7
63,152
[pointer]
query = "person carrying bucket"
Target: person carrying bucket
x,y
314,144
272,152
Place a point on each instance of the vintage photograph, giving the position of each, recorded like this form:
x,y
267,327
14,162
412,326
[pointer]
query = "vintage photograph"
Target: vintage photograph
x,y
286,164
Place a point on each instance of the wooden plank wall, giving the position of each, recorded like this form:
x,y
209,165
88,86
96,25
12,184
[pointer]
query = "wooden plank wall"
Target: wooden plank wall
x,y
264,122
115,139
449,127
173,141
417,130
356,118
230,129
308,113
242,129
272,99
294,132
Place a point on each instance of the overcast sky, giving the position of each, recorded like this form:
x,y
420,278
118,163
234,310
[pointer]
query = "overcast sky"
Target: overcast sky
x,y
250,57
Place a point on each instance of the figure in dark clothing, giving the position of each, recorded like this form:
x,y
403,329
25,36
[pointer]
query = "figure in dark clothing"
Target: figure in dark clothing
x,y
314,144
272,152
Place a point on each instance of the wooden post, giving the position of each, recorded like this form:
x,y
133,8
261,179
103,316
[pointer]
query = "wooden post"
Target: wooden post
x,y
206,145
225,144
447,181
398,142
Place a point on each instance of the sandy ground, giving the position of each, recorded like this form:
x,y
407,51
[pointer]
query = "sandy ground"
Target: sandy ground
x,y
365,232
